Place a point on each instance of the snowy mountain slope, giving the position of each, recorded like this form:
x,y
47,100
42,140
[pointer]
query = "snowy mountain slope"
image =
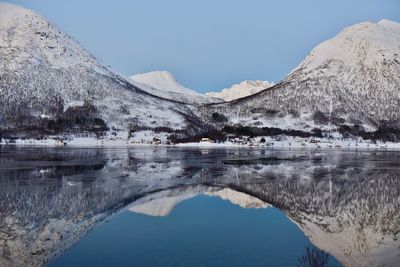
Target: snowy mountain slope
x,y
44,73
351,79
164,84
243,89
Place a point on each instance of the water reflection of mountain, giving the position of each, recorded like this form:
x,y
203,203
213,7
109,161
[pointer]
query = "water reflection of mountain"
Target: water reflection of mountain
x,y
347,203
352,213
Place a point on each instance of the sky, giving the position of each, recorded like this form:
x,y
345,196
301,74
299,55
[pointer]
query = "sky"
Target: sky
x,y
209,44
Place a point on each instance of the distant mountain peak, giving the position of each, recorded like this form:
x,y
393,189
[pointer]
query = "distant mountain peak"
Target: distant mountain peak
x,y
162,80
242,89
388,22
164,84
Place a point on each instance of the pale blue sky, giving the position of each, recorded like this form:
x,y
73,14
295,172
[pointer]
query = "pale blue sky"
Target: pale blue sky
x,y
208,44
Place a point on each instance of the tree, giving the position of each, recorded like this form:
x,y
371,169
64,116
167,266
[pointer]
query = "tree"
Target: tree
x,y
218,117
1,127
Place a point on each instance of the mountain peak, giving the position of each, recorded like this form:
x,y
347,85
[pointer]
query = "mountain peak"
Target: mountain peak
x,y
39,41
12,15
158,74
388,22
8,10
390,25
365,42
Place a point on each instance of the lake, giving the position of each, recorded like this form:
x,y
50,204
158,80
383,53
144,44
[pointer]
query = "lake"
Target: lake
x,y
165,206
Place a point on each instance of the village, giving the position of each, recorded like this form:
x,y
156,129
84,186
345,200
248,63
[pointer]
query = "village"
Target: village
x,y
149,138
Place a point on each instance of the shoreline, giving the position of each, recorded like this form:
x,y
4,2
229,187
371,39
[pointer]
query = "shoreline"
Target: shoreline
x,y
333,144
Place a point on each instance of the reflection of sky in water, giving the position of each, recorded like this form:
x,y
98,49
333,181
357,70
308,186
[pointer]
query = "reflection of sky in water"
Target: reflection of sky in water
x,y
201,231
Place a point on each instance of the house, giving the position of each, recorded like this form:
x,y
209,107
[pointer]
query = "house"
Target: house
x,y
206,140
239,140
156,141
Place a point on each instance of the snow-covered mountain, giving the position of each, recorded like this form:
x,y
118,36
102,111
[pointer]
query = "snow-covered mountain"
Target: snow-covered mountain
x,y
350,80
243,89
50,84
164,84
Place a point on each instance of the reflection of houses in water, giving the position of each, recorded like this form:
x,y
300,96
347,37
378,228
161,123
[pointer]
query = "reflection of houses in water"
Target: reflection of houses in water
x,y
351,212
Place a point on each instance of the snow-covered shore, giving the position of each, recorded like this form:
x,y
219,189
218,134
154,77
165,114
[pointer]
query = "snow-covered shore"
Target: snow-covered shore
x,y
92,142
322,144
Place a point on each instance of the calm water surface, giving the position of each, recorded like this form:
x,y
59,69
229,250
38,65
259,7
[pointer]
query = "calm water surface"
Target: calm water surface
x,y
198,207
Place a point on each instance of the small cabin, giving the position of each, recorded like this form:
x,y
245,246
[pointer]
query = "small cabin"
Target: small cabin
x,y
156,141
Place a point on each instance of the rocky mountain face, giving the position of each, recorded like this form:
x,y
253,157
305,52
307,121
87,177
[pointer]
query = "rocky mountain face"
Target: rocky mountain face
x,y
348,83
243,89
164,84
50,85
